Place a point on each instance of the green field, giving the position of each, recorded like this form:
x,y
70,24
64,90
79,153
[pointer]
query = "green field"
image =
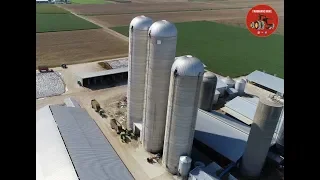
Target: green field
x,y
90,2
50,18
228,50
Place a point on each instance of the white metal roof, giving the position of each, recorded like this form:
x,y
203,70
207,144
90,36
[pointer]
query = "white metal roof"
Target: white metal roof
x,y
242,108
92,155
84,75
267,80
71,102
52,158
224,134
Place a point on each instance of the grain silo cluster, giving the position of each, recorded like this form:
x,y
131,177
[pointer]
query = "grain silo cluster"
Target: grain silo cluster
x,y
165,93
161,89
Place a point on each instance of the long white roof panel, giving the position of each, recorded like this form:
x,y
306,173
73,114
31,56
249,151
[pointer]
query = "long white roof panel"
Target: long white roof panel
x,y
52,158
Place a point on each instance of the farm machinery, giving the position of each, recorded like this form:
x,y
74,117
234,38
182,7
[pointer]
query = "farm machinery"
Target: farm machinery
x,y
118,120
262,23
96,106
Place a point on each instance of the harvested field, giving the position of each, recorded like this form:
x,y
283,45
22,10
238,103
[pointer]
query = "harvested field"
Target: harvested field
x,y
157,1
144,8
241,22
89,2
71,47
125,19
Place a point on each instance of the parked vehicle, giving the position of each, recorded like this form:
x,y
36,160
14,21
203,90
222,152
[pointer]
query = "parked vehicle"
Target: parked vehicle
x,y
95,105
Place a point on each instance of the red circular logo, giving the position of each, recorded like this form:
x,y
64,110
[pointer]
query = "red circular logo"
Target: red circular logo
x,y
262,20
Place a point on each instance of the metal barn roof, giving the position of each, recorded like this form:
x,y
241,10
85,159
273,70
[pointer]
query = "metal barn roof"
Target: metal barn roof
x,y
71,102
70,146
84,75
242,108
267,80
91,153
208,173
224,134
52,158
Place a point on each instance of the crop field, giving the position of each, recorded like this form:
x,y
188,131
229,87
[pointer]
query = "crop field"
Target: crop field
x,y
114,9
50,18
125,8
71,47
228,50
125,19
49,9
90,2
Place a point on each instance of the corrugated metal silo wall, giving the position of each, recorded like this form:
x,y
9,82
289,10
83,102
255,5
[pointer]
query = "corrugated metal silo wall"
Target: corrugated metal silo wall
x,y
160,57
181,119
280,133
136,77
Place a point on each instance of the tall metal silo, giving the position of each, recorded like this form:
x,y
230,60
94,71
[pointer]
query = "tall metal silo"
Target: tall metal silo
x,y
161,55
240,86
185,83
138,39
208,88
262,130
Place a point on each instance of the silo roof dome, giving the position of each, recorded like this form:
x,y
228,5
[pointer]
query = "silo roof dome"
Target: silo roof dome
x,y
188,66
163,28
141,23
209,75
228,80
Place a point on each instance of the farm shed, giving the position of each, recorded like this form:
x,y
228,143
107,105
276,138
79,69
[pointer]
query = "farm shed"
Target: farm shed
x,y
108,77
266,81
223,134
78,145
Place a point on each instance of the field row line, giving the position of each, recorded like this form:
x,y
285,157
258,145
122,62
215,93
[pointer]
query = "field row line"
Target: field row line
x,y
106,29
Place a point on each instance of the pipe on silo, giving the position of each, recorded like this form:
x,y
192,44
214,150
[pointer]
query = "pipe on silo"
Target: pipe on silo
x,y
280,134
208,88
162,43
138,39
185,83
262,129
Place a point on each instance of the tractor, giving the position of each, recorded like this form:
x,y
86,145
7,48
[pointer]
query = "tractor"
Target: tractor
x,y
262,23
